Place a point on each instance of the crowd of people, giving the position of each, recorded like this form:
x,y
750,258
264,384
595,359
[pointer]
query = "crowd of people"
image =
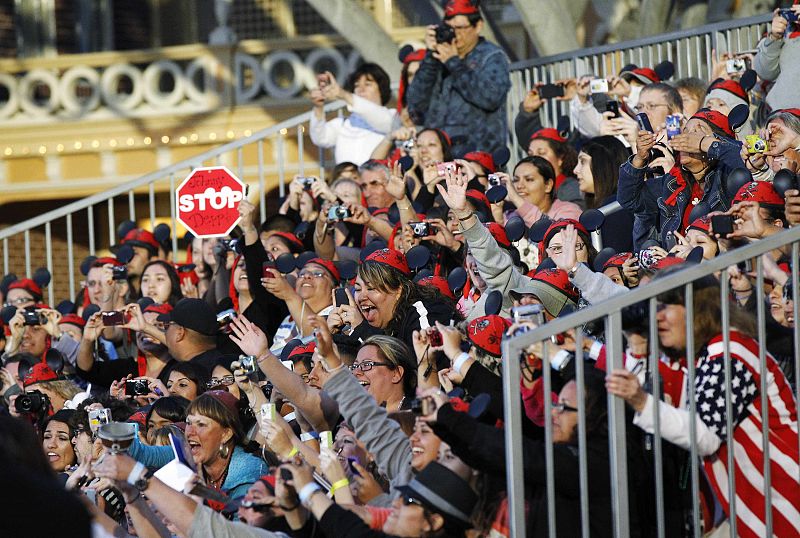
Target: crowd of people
x,y
336,369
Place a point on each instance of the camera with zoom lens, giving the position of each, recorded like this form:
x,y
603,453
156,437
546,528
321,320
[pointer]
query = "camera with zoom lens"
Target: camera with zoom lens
x,y
445,33
32,403
755,144
338,212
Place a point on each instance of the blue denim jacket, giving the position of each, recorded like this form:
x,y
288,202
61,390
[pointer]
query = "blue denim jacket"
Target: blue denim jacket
x,y
653,218
466,98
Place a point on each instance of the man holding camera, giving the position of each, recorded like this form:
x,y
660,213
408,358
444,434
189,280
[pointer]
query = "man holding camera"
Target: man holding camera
x,y
462,83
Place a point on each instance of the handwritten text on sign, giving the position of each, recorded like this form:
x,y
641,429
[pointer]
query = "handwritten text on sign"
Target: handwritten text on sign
x,y
208,201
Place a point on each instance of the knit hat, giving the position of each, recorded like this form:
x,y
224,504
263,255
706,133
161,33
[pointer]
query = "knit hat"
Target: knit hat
x,y
439,283
715,119
729,91
393,258
442,491
486,333
39,373
762,192
461,7
548,133
482,158
552,287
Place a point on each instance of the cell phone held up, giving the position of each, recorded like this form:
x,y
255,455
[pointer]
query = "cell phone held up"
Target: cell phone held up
x,y
340,295
644,122
267,269
551,91
598,85
613,107
722,225
673,123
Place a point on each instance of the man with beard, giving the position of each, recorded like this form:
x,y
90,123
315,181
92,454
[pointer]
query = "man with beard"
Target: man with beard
x,y
150,361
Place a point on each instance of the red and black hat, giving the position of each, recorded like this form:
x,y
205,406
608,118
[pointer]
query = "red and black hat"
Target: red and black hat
x,y
28,285
440,283
407,57
141,238
762,192
40,373
393,258
553,289
664,263
479,201
715,119
461,7
269,481
329,266
702,224
163,308
617,260
73,319
486,333
499,234
729,91
291,240
298,352
792,111
548,133
559,225
482,158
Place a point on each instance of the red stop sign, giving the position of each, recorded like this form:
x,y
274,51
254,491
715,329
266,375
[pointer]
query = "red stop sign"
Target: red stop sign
x,y
208,201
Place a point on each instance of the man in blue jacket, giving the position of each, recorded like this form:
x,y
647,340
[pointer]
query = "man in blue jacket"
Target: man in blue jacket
x,y
461,85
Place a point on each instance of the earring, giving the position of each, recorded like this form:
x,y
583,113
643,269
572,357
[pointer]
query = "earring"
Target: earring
x,y
224,451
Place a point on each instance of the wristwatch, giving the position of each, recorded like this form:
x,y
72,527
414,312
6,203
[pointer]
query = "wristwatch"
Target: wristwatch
x,y
143,481
571,272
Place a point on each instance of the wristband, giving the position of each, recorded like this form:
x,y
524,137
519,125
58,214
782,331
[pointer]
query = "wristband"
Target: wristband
x,y
293,452
464,219
460,360
309,436
339,484
307,491
135,472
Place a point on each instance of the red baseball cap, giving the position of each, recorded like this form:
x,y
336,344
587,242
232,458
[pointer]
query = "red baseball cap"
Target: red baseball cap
x,y
548,133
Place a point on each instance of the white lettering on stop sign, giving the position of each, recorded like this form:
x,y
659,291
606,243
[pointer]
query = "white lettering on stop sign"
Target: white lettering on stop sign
x,y
225,198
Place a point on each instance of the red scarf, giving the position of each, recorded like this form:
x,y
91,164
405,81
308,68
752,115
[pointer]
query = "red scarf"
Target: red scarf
x,y
696,192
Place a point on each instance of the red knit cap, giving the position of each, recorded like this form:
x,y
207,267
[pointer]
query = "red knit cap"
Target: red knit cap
x,y
716,119
392,258
548,134
291,238
39,373
141,238
329,266
482,158
438,282
28,285
617,260
762,192
461,7
486,333
703,224
499,234
73,319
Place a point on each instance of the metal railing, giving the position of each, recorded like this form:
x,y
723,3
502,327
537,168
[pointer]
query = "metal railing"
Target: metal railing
x,y
610,311
690,51
168,177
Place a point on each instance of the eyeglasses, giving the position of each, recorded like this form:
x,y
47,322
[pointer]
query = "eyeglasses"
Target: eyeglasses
x,y
560,407
19,301
91,434
311,274
557,249
366,366
225,381
460,28
411,500
648,107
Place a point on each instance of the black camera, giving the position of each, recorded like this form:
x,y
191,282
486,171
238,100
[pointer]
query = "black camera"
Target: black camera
x,y
338,212
136,387
306,182
119,272
33,317
33,402
494,180
445,33
420,229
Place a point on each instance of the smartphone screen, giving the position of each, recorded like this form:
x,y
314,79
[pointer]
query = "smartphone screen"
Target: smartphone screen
x,y
548,91
341,297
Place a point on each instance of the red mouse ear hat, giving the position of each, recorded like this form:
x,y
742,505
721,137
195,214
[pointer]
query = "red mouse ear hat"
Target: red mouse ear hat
x,y
460,7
